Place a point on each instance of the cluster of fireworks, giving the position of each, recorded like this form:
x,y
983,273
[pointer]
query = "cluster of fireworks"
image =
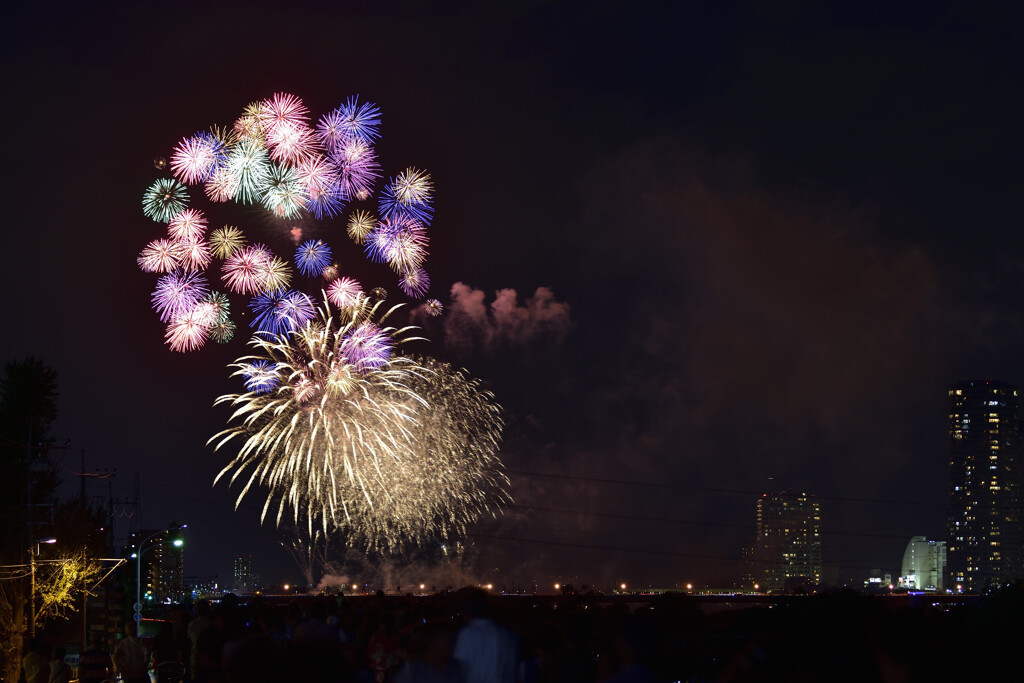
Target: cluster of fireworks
x,y
273,157
347,434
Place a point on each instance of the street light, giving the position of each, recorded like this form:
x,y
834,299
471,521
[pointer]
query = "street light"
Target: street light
x,y
138,566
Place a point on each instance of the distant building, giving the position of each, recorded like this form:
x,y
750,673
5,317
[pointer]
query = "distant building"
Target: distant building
x,y
787,550
984,525
246,580
162,570
924,564
203,586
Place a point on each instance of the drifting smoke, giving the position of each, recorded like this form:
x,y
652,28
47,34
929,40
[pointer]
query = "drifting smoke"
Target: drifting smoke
x,y
471,325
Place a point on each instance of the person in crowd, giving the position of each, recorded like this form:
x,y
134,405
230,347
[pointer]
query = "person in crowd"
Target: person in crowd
x,y
60,672
34,663
429,656
131,658
487,650
94,664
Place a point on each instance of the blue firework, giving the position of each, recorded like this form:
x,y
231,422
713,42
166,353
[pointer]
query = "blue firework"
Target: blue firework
x,y
351,121
312,257
260,376
409,196
279,312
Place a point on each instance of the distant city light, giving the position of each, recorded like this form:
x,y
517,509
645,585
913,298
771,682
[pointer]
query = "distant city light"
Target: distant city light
x,y
286,586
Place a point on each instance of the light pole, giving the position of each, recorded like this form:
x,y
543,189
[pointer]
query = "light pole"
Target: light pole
x,y
138,566
33,552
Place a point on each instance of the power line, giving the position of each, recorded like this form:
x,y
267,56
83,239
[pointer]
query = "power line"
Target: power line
x,y
708,489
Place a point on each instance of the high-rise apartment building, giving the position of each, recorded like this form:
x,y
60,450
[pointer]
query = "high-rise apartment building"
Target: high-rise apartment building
x,y
245,577
787,551
162,570
985,534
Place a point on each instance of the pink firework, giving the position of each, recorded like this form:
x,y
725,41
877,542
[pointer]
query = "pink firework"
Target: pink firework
x,y
189,225
245,271
196,254
222,185
291,143
283,108
197,157
188,331
160,256
344,292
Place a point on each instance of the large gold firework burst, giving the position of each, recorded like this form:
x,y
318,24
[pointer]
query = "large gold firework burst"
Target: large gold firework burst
x,y
385,454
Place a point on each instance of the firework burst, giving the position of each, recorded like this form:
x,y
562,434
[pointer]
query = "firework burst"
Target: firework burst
x,y
188,330
409,196
249,165
226,241
161,256
284,194
245,271
163,199
345,292
178,292
312,257
281,312
195,159
415,283
187,225
389,457
360,225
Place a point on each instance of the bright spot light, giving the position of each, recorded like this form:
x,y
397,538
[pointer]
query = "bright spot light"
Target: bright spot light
x,y
422,586
490,586
178,543
286,586
558,586
622,586
689,586
355,586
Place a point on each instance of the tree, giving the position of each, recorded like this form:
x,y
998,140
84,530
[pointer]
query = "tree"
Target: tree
x,y
28,407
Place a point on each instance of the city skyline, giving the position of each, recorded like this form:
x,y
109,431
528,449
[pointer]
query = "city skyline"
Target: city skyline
x,y
697,254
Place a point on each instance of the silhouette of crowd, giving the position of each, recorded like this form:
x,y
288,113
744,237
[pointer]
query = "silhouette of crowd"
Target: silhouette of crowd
x,y
470,637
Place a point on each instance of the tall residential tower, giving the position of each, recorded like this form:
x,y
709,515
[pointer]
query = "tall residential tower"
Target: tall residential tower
x,y
787,551
984,549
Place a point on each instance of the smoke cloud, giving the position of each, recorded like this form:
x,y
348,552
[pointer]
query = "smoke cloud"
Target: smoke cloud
x,y
471,324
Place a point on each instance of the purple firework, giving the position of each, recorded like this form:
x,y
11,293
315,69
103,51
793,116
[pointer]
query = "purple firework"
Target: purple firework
x,y
178,292
415,283
358,169
367,347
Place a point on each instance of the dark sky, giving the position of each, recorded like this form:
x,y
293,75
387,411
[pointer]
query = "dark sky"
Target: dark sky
x,y
750,246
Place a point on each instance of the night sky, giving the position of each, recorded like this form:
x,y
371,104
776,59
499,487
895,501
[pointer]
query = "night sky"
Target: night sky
x,y
749,246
